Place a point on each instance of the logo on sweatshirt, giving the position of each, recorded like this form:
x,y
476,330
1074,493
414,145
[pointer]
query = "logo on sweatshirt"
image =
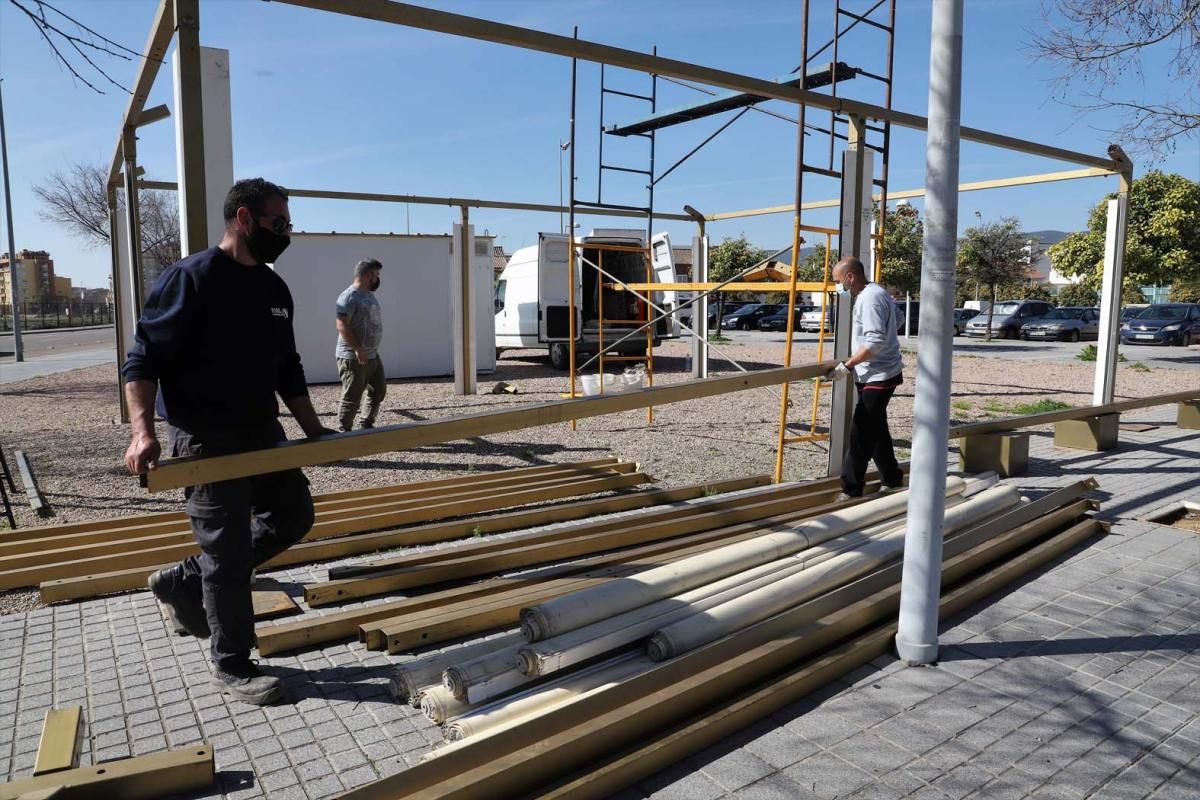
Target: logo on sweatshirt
x,y
279,312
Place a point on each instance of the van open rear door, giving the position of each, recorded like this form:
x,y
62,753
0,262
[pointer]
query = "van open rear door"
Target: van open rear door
x,y
554,283
664,272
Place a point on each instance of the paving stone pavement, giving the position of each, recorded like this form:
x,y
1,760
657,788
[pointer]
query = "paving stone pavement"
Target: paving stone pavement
x,y
1083,681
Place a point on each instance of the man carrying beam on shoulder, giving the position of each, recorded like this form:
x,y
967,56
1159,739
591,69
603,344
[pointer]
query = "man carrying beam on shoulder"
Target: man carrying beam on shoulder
x,y
875,366
216,336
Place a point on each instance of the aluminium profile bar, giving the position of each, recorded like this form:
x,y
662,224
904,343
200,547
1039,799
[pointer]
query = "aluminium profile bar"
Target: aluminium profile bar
x,y
162,31
581,733
1082,412
972,186
378,197
411,16
730,101
651,754
147,777
180,472
62,738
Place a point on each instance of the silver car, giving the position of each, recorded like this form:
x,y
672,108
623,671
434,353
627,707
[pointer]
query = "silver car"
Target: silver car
x,y
1008,317
1069,323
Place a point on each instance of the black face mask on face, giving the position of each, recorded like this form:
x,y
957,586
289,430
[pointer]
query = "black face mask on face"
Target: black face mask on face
x,y
265,245
374,284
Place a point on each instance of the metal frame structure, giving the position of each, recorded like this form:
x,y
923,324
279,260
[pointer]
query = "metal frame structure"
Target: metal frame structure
x,y
181,18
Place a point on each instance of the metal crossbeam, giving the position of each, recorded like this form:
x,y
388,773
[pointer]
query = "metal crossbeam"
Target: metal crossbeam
x,y
513,35
730,101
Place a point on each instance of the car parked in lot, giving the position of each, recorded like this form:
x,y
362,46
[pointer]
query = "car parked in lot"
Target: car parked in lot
x,y
811,322
961,317
1071,323
746,318
1008,317
1131,311
1166,323
778,320
726,307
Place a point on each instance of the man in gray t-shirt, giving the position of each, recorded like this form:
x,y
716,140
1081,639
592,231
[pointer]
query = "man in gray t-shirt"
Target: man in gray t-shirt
x,y
360,331
875,366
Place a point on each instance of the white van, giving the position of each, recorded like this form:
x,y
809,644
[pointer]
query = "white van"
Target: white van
x,y
531,299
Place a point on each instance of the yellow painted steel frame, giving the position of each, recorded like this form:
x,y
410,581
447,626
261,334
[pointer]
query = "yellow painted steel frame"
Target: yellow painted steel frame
x,y
574,48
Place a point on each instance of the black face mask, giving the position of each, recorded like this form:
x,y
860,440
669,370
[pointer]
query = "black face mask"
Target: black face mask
x,y
265,245
374,284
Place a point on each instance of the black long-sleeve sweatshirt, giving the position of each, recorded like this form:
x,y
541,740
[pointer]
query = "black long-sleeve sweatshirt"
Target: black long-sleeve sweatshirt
x,y
217,337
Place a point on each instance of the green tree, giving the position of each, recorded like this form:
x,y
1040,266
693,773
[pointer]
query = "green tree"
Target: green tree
x,y
1078,294
812,268
992,254
903,237
1188,292
730,259
1163,242
1034,291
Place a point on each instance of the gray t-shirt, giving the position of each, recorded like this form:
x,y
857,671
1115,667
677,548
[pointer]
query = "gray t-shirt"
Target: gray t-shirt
x,y
875,327
365,318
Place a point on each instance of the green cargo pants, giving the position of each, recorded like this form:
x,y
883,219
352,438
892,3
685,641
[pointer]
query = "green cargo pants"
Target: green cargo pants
x,y
355,378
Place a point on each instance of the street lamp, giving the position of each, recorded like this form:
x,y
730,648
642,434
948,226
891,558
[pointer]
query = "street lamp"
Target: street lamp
x,y
562,148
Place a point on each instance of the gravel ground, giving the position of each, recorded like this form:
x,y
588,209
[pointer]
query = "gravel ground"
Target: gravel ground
x,y
69,425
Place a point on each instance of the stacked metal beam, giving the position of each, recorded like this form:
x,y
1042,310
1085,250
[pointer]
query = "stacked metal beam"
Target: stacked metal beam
x,y
72,561
623,676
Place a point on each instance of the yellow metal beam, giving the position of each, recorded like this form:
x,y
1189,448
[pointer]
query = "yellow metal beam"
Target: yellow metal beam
x,y
973,186
739,286
176,473
142,778
428,200
161,32
59,746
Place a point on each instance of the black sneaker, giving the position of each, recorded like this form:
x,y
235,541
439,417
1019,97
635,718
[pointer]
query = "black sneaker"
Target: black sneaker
x,y
246,682
185,610
366,425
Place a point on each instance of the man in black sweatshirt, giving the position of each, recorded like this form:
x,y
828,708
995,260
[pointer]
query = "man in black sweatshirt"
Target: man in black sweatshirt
x,y
216,338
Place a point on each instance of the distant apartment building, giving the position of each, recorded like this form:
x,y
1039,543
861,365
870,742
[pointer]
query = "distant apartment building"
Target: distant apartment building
x,y
101,297
35,277
62,287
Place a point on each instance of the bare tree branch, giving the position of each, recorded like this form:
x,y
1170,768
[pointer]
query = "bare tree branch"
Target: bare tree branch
x,y
82,41
77,199
1100,47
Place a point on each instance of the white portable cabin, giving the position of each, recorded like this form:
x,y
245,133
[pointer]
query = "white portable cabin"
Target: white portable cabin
x,y
416,295
533,291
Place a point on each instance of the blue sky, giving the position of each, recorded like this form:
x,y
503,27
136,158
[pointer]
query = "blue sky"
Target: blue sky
x,y
324,101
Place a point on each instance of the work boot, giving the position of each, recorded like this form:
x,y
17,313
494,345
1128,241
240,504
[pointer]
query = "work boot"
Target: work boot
x,y
244,681
185,609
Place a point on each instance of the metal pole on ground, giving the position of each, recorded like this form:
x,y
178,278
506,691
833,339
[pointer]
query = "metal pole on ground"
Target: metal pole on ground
x,y
920,586
15,291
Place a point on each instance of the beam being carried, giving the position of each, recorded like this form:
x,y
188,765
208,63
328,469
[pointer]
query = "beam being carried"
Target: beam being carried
x,y
179,472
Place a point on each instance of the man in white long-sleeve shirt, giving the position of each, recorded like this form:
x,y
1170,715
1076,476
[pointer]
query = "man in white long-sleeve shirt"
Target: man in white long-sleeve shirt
x,y
876,368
